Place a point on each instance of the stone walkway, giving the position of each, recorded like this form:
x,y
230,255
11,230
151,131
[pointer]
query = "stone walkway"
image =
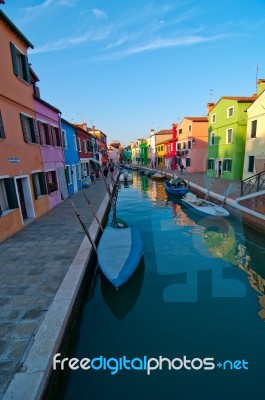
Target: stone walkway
x,y
33,264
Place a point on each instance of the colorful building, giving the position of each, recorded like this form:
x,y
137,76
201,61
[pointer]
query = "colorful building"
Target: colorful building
x,y
48,122
192,143
254,161
227,136
159,139
170,148
127,154
84,148
72,161
23,189
143,151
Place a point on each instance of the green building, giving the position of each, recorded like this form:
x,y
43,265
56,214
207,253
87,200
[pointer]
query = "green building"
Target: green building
x,y
143,152
227,137
127,154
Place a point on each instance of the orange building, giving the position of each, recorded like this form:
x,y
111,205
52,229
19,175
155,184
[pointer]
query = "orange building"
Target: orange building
x,y
192,143
23,191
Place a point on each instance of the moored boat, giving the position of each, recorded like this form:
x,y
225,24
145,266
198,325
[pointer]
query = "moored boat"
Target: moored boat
x,y
203,207
119,253
158,176
177,187
126,177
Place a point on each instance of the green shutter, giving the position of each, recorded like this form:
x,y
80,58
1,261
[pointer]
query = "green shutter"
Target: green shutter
x,y
14,58
2,131
34,187
11,193
23,119
33,130
25,67
43,186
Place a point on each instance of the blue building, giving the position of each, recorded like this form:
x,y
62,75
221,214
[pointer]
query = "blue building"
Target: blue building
x,y
72,161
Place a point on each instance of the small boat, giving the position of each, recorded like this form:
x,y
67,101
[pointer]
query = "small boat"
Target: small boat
x,y
158,176
203,207
126,177
149,172
177,187
119,253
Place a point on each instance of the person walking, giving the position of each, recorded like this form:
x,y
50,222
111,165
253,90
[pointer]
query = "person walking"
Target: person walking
x,y
182,169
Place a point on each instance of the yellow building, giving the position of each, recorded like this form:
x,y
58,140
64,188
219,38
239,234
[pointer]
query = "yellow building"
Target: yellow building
x,y
254,161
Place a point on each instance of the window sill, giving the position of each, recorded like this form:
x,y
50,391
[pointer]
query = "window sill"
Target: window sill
x,y
7,212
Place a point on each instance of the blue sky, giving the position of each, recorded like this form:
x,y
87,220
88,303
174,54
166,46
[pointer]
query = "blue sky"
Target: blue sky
x,y
129,66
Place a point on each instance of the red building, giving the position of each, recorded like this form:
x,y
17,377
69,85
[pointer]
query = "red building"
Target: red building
x,y
170,148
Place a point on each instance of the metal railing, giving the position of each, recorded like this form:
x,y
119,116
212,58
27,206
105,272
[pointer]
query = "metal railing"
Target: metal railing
x,y
253,184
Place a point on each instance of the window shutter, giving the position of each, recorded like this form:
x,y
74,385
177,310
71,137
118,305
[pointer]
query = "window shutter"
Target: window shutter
x,y
33,129
34,186
11,193
14,58
47,180
25,67
23,119
43,186
2,131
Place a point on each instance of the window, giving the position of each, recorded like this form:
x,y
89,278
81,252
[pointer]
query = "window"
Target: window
x,y
51,181
189,144
230,112
184,145
29,129
253,129
20,64
75,142
44,133
213,118
180,131
64,138
85,146
2,131
39,184
78,144
189,127
212,139
56,136
187,162
251,163
210,163
179,146
68,174
162,148
8,196
227,165
229,136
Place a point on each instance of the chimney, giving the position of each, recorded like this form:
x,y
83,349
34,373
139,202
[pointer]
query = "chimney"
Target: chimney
x,y
174,130
260,86
210,106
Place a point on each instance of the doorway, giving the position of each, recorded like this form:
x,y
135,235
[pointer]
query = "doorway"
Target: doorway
x,y
25,198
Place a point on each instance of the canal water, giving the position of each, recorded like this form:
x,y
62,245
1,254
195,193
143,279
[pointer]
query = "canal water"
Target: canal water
x,y
190,322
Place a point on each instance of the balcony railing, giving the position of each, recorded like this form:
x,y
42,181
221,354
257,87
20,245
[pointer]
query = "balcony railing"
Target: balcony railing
x,y
253,184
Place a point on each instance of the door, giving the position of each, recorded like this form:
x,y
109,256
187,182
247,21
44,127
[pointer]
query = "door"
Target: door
x,y
74,176
21,197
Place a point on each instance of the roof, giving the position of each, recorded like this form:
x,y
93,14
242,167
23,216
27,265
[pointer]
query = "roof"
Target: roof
x,y
240,99
197,119
14,29
164,132
47,104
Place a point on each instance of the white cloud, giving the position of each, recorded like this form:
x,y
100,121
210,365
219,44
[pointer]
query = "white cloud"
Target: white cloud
x,y
99,13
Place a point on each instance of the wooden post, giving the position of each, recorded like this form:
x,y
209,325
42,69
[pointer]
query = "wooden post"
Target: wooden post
x,y
85,228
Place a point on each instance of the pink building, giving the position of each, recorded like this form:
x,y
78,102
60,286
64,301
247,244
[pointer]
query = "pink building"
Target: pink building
x,y
192,143
51,141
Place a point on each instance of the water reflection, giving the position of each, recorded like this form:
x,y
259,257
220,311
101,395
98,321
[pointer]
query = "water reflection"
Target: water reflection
x,y
121,302
219,236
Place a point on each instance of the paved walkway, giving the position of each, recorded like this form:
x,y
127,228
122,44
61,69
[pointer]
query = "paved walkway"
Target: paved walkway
x,y
34,262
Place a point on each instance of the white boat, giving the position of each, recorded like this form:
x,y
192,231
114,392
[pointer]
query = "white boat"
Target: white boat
x,y
126,177
203,207
119,253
